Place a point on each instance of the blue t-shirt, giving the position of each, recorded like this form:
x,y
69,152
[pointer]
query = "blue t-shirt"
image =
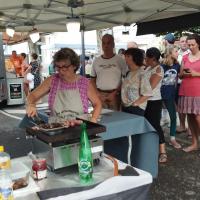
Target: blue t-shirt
x,y
169,82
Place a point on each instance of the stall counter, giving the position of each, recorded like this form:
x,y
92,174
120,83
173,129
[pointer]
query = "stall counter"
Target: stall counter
x,y
67,183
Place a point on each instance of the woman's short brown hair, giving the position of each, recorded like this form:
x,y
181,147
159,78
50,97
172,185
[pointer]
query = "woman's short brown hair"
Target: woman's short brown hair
x,y
137,55
67,54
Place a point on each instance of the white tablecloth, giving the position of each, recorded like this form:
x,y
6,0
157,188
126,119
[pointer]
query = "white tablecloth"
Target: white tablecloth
x,y
103,174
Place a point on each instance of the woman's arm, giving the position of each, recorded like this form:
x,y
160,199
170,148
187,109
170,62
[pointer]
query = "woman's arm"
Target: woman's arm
x,y
35,95
96,102
28,70
145,90
186,72
155,78
195,74
181,73
140,100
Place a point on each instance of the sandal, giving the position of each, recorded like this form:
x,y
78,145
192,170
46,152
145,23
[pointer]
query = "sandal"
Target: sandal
x,y
162,158
179,131
175,144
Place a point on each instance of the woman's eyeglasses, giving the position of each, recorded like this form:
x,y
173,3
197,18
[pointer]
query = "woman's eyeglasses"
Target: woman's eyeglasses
x,y
62,67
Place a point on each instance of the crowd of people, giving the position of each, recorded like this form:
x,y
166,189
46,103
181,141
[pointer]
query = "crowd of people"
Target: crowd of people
x,y
31,72
134,81
151,83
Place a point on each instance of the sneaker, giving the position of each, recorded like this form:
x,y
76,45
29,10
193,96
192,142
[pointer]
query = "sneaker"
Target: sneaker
x,y
175,144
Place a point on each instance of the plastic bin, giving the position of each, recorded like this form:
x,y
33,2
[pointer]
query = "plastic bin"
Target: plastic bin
x,y
19,174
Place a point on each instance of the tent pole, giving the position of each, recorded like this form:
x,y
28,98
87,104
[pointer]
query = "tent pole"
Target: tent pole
x,y
83,46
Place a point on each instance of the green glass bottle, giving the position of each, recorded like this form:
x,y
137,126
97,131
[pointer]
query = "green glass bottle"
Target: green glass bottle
x,y
85,163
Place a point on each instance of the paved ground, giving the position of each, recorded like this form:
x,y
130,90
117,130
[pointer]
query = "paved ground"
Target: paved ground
x,y
179,179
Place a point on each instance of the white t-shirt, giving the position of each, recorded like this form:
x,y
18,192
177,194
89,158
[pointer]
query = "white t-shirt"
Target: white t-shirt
x,y
108,72
30,78
181,54
136,84
156,91
88,69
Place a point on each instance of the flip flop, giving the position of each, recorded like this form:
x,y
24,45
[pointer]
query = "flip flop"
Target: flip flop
x,y
175,144
181,131
189,149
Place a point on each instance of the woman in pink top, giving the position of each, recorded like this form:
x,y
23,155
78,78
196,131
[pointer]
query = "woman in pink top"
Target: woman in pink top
x,y
189,102
69,93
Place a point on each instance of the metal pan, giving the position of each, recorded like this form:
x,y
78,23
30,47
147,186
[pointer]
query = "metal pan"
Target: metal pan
x,y
53,131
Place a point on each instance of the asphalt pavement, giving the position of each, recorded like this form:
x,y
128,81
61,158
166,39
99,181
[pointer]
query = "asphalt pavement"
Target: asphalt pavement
x,y
178,179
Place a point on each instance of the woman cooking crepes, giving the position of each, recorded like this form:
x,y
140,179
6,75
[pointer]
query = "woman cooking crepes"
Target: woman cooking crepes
x,y
69,93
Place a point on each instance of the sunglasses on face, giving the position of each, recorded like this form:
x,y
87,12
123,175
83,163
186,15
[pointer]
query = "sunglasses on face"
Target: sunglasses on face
x,y
64,67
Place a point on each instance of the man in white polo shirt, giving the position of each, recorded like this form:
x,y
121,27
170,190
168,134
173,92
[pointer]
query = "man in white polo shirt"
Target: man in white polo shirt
x,y
107,72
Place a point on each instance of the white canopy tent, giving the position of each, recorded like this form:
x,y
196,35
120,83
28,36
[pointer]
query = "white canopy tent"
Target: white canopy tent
x,y
52,15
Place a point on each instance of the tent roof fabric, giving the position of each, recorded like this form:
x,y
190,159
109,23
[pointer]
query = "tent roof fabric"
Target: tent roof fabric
x,y
52,15
169,24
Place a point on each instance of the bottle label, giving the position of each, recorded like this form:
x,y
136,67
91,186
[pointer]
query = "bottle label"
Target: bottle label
x,y
5,164
6,194
39,174
85,168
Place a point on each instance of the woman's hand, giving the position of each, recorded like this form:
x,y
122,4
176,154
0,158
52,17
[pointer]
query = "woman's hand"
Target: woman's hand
x,y
186,74
31,110
96,103
94,120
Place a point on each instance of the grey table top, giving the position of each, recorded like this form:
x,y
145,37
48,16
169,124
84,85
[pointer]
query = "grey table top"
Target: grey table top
x,y
120,124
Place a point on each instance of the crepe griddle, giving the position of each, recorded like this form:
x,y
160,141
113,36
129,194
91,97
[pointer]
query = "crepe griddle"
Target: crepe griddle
x,y
66,134
57,128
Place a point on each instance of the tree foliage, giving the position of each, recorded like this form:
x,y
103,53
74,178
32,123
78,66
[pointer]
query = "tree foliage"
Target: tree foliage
x,y
181,32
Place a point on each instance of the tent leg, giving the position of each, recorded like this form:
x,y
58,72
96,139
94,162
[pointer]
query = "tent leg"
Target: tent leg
x,y
83,51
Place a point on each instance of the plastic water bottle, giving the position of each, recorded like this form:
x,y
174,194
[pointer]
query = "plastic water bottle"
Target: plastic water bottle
x,y
6,189
85,163
4,159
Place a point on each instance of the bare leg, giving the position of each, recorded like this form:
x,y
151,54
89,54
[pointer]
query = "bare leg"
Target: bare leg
x,y
189,134
26,89
192,123
197,117
162,148
163,154
182,118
